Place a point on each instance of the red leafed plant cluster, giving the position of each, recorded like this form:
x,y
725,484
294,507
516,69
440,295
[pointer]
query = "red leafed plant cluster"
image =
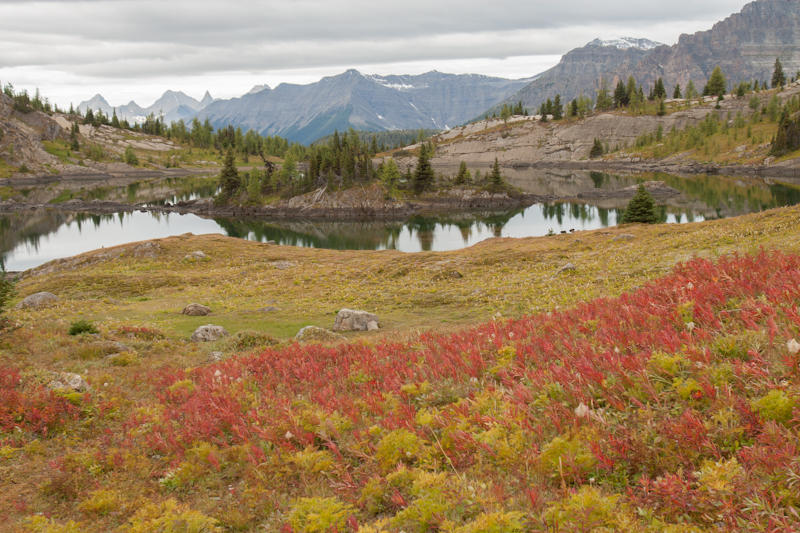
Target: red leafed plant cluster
x,y
671,406
31,409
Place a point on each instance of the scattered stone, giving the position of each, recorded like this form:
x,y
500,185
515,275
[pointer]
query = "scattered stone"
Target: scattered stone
x,y
284,265
38,300
623,237
216,356
372,326
146,250
268,309
352,320
68,381
209,333
317,334
565,268
196,310
448,274
197,255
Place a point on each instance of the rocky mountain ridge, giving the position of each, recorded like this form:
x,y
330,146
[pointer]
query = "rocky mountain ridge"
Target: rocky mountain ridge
x,y
744,45
172,105
304,113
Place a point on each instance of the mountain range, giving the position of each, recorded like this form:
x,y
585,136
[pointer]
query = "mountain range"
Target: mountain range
x,y
745,45
304,113
172,105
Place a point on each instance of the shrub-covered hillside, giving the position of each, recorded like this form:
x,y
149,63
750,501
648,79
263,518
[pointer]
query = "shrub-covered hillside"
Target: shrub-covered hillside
x,y
670,408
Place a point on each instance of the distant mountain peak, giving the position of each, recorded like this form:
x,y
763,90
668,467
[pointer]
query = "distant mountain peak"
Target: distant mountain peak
x,y
207,99
256,89
626,43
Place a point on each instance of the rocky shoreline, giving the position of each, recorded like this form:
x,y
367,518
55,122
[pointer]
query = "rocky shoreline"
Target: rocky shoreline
x,y
365,211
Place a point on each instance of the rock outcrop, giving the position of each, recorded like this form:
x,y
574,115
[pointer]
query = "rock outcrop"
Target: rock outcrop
x,y
196,310
354,320
744,45
38,300
209,333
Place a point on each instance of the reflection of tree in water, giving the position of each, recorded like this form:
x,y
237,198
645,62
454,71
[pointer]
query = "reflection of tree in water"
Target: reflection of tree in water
x,y
333,235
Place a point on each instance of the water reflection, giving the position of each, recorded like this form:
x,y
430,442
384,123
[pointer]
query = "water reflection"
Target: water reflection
x,y
34,237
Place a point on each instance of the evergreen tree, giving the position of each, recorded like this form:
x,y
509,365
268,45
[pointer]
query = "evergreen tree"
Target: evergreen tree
x,y
114,119
573,108
630,90
620,95
662,108
423,175
463,175
496,178
73,137
677,92
558,109
659,91
691,91
229,179
604,100
778,77
390,175
641,208
716,83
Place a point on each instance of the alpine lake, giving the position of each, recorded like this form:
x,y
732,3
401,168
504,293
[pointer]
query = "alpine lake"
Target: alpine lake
x,y
31,237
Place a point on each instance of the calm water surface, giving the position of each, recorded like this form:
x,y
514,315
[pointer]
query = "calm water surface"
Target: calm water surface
x,y
32,238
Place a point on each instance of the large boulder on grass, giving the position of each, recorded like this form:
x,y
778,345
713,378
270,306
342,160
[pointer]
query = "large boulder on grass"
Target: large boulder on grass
x,y
353,320
209,333
196,310
38,300
68,382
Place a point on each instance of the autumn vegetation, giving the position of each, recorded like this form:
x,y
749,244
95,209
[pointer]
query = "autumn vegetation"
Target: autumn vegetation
x,y
631,394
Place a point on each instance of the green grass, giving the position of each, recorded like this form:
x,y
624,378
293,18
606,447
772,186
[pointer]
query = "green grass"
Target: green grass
x,y
58,148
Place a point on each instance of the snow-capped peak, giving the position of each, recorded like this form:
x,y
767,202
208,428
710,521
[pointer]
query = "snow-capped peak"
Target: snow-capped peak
x,y
625,43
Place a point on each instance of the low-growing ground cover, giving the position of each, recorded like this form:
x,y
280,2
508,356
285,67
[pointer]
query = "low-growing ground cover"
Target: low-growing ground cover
x,y
667,407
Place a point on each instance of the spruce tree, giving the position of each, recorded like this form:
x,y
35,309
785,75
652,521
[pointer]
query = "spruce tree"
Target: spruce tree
x,y
716,84
641,208
423,176
496,178
558,109
677,92
229,179
604,100
463,174
620,95
778,77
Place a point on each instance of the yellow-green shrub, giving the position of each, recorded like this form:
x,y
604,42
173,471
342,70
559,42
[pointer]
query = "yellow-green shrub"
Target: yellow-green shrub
x,y
568,457
513,522
319,515
775,405
101,502
399,446
590,510
170,517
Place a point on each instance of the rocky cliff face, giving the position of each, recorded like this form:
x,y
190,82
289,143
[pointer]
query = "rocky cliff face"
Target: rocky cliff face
x,y
745,45
304,113
581,70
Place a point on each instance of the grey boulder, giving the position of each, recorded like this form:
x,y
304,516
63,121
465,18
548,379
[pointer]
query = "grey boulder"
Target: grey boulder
x,y
38,300
353,320
196,310
209,333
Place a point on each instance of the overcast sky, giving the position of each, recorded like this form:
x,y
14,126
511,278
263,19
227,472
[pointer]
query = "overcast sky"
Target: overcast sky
x,y
128,49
